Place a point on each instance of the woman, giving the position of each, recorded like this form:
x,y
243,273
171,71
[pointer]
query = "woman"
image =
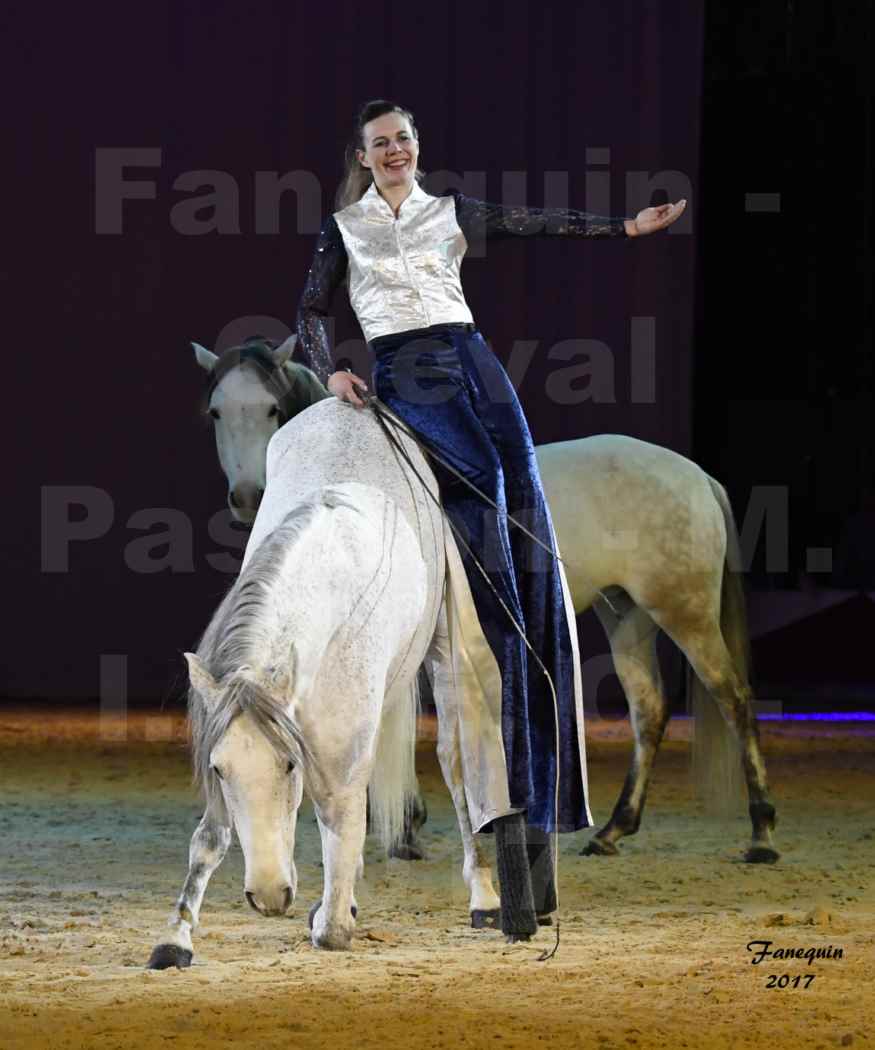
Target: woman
x,y
402,249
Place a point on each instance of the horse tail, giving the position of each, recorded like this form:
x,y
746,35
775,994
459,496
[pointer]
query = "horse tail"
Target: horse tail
x,y
393,788
716,753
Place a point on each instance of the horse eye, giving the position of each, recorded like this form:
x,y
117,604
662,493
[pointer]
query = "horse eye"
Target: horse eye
x,y
271,412
216,771
291,767
214,412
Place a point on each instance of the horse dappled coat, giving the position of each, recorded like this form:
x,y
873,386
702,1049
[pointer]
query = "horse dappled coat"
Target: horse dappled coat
x,y
435,371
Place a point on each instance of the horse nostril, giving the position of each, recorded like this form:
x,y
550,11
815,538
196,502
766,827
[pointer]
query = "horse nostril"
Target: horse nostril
x,y
250,897
287,899
245,496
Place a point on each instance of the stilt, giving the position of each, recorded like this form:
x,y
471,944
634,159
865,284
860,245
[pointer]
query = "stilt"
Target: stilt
x,y
518,921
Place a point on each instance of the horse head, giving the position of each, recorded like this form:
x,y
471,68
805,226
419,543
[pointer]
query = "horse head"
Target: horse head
x,y
248,761
253,390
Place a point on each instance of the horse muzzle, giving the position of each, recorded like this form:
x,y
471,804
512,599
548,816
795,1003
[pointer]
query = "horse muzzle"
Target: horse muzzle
x,y
270,903
244,500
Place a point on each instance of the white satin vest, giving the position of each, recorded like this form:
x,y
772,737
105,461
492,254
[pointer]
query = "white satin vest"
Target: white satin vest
x,y
404,273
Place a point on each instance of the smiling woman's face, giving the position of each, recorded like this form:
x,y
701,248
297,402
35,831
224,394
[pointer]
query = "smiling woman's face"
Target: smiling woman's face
x,y
391,151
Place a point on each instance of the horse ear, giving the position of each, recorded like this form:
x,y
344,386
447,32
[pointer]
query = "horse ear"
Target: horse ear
x,y
205,358
202,680
283,352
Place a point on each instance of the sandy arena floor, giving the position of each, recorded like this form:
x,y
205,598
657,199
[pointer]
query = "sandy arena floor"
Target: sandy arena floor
x,y
653,953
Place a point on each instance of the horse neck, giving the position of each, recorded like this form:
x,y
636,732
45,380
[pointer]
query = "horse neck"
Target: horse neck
x,y
306,386
303,604
310,601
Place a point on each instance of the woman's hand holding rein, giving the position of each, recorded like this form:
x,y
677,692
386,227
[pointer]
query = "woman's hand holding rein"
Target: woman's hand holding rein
x,y
343,385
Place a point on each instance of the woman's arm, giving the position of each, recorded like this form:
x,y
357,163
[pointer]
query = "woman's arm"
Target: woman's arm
x,y
328,270
480,219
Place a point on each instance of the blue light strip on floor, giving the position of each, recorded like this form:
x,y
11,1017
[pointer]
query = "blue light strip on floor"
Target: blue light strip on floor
x,y
827,716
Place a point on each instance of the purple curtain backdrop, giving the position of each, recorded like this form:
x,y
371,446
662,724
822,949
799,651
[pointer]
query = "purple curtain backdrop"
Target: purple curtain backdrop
x,y
106,388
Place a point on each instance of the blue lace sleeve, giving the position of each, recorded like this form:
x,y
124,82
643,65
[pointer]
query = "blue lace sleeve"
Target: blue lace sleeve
x,y
326,273
480,220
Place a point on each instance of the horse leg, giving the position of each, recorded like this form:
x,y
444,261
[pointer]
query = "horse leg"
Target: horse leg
x,y
517,909
359,874
483,902
632,635
342,827
209,844
408,846
484,905
517,912
705,648
526,875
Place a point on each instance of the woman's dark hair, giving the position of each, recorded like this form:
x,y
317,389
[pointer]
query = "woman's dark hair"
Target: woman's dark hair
x,y
356,177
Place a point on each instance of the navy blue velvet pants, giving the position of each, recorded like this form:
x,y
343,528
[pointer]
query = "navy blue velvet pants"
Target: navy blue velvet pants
x,y
450,388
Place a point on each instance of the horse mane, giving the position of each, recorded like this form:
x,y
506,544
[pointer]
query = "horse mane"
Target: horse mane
x,y
224,650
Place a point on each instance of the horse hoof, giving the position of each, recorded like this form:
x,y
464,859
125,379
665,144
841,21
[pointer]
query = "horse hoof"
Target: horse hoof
x,y
165,956
406,851
486,918
761,855
545,920
312,913
516,938
419,815
599,848
333,941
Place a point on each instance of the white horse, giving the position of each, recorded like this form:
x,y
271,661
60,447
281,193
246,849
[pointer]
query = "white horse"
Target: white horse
x,y
290,690
648,540
307,675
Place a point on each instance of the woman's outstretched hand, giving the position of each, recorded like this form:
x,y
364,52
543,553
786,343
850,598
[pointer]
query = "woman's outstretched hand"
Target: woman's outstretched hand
x,y
343,385
652,219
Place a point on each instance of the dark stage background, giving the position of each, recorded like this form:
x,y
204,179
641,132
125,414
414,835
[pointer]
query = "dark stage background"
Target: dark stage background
x,y
634,103
784,367
110,389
